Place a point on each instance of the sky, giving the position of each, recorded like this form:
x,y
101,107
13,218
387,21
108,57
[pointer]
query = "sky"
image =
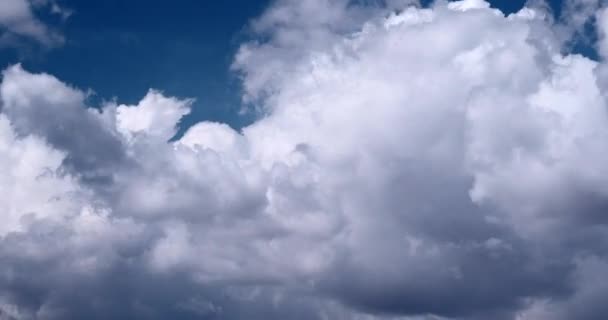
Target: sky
x,y
303,159
183,47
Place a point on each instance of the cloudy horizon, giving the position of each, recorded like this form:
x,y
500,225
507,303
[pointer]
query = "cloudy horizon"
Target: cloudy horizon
x,y
385,160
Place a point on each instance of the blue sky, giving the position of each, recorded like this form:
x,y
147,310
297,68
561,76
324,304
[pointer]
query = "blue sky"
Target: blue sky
x,y
123,48
183,47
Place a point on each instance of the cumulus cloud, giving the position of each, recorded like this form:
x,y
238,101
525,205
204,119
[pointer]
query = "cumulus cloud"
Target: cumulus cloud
x,y
442,162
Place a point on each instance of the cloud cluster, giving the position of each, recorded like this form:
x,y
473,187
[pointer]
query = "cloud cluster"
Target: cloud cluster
x,y
414,163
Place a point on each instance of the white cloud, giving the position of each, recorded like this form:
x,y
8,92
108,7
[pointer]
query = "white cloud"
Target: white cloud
x,y
155,116
32,185
446,154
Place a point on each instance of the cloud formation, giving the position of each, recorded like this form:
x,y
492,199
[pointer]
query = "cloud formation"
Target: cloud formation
x,y
412,163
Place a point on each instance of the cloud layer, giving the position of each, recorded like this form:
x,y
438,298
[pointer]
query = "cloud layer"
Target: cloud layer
x,y
414,163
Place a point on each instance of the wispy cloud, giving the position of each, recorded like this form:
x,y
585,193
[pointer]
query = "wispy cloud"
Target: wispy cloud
x,y
18,21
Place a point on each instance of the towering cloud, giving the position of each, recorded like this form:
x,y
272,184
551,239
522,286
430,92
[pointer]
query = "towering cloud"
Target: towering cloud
x,y
415,163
